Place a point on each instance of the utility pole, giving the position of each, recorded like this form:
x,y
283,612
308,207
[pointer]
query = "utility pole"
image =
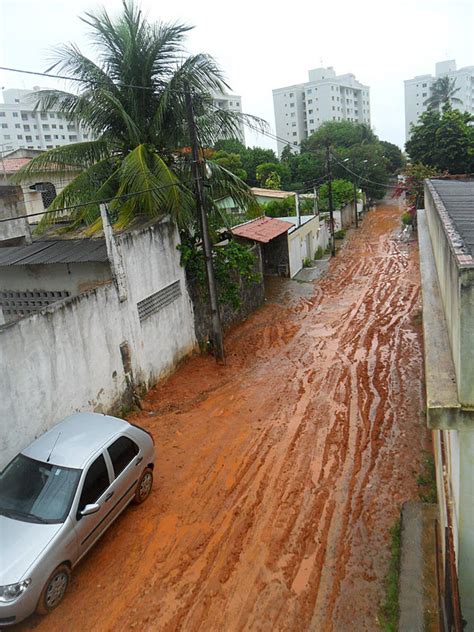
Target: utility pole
x,y
297,206
197,166
331,208
355,194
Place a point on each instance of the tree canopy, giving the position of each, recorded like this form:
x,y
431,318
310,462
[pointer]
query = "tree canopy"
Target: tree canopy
x,y
443,93
133,100
443,140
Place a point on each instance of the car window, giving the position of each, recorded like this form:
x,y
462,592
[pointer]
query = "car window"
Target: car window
x,y
34,491
121,453
95,482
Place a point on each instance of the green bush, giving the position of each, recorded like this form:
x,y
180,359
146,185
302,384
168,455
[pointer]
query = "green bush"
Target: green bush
x,y
389,609
407,219
307,263
319,253
339,234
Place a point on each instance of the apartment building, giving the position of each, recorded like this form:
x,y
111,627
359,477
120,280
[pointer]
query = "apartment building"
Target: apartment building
x,y
418,90
22,126
301,108
231,103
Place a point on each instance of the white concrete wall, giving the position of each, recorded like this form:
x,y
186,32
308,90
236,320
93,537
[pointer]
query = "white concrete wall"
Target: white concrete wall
x,y
69,277
313,234
67,358
466,526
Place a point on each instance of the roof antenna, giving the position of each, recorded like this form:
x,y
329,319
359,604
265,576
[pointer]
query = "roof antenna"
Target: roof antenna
x,y
54,444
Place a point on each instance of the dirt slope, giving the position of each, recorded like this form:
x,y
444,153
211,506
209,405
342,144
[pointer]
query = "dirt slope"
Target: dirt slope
x,y
280,474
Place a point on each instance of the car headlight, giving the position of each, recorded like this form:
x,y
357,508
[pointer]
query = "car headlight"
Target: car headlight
x,y
12,591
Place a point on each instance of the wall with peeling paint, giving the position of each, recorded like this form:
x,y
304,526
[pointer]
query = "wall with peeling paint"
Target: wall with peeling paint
x,y
67,358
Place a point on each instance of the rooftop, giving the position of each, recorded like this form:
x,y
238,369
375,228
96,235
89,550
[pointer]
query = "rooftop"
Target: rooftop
x,y
54,251
262,229
75,439
457,197
294,220
272,193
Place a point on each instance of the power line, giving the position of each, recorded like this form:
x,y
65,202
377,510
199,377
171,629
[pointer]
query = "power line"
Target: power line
x,y
124,196
360,177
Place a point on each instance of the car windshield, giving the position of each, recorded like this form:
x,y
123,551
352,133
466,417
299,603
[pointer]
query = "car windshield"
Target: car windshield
x,y
34,491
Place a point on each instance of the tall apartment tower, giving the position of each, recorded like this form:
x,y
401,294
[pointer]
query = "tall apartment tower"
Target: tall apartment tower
x,y
300,109
418,89
22,126
231,103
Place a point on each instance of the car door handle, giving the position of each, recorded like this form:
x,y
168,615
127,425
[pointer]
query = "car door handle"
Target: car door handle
x,y
109,496
138,461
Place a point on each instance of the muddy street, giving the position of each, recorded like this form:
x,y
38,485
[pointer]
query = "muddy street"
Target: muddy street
x,y
279,475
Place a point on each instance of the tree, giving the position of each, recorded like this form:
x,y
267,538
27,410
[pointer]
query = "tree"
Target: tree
x,y
133,100
412,184
231,162
254,156
442,93
444,141
393,155
342,194
339,134
269,174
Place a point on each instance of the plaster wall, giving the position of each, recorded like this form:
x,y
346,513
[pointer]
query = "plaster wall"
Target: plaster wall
x,y
67,358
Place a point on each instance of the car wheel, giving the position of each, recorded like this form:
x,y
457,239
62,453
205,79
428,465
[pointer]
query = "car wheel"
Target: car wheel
x,y
144,486
54,589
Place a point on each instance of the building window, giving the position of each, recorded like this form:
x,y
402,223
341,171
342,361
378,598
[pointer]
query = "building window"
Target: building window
x,y
73,137
51,115
59,116
53,126
43,116
310,111
310,100
56,136
26,128
294,134
20,137
291,94
47,137
29,139
17,125
4,125
15,115
60,127
311,121
292,105
6,136
45,127
424,94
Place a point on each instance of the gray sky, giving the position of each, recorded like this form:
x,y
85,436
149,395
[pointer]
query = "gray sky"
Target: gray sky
x,y
262,45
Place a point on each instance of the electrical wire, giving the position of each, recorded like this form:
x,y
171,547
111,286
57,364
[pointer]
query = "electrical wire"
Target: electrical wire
x,y
83,204
360,177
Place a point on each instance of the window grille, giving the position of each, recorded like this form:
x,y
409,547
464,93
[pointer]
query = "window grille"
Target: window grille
x,y
153,303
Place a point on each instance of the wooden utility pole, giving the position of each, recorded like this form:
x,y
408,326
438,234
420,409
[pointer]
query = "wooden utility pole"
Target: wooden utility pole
x,y
198,172
331,207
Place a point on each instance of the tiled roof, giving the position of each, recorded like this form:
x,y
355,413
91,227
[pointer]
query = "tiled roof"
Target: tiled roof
x,y
263,229
11,165
54,251
455,204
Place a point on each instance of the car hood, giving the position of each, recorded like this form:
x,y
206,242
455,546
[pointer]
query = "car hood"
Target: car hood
x,y
20,544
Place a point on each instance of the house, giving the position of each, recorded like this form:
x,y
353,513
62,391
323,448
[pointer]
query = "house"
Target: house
x,y
446,239
285,242
36,194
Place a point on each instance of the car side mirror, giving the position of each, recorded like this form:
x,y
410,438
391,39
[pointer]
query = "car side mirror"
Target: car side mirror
x,y
90,509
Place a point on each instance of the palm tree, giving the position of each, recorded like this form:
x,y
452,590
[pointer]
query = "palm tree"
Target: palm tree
x,y
442,93
133,101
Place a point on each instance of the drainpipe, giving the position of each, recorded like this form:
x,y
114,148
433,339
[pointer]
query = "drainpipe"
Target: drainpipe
x,y
114,256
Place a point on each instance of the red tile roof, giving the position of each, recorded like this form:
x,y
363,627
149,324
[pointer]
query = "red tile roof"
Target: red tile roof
x,y
263,229
11,165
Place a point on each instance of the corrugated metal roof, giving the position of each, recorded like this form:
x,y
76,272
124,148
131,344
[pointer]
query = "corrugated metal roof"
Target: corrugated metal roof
x,y
262,229
272,193
55,251
458,199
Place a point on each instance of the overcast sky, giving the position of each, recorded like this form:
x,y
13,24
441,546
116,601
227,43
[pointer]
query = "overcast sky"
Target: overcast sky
x,y
265,45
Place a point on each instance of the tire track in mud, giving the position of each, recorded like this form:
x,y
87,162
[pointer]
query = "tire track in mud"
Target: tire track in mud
x,y
279,474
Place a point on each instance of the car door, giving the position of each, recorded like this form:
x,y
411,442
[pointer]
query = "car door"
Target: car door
x,y
95,488
126,459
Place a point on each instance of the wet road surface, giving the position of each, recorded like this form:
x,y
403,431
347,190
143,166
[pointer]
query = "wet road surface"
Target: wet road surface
x,y
280,474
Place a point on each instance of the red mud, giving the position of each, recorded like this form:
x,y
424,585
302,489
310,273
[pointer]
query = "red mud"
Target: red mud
x,y
280,474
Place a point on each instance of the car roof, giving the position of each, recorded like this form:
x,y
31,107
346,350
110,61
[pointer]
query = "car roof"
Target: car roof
x,y
74,440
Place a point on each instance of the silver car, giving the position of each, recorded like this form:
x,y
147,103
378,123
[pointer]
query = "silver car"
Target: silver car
x,y
57,498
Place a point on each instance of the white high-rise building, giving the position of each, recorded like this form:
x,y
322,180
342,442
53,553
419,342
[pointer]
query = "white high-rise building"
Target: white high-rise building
x,y
232,103
22,126
300,109
418,90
